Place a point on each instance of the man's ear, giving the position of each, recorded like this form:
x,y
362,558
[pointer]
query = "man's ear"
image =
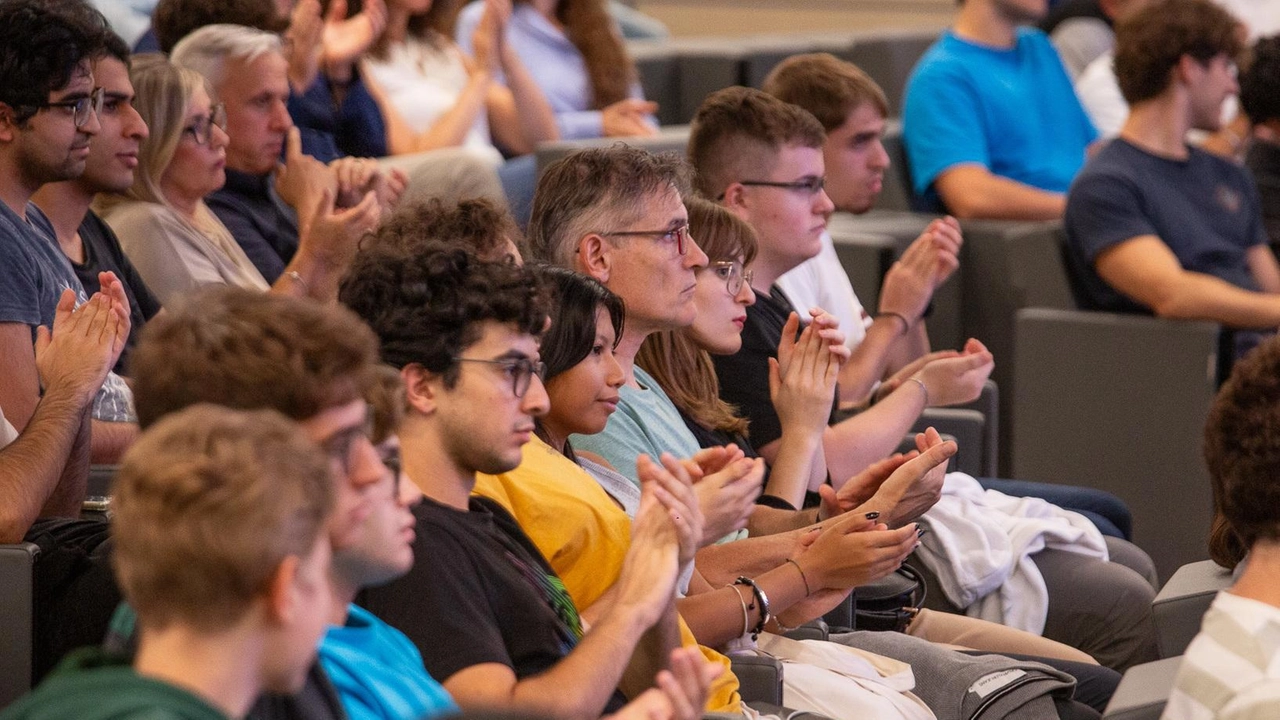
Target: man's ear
x,y
1187,71
8,123
594,257
281,605
735,198
420,388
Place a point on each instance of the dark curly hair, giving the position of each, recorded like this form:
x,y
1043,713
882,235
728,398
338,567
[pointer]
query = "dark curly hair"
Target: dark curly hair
x,y
42,44
426,304
173,20
1260,81
477,224
574,300
1150,43
1242,451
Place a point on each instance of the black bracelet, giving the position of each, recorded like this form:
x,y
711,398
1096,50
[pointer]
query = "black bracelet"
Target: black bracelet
x,y
760,599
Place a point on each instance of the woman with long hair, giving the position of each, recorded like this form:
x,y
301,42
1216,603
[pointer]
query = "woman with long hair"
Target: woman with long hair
x,y
164,226
575,53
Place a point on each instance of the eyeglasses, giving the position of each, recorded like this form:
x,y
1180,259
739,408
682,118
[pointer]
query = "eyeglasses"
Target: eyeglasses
x,y
520,370
80,107
678,235
201,128
812,185
731,272
390,457
340,446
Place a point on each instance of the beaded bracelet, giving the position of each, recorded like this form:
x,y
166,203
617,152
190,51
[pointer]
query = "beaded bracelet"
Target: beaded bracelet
x,y
761,599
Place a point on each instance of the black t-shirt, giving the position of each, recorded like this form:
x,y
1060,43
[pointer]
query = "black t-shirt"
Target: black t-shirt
x,y
1069,9
101,253
744,376
1263,161
479,592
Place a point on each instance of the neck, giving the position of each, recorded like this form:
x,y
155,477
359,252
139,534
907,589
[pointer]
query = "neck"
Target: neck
x,y
430,467
185,206
979,21
1261,577
16,188
222,668
628,348
397,23
767,269
344,593
552,435
65,204
1159,126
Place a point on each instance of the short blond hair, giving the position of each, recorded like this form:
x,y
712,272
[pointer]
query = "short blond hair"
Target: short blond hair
x,y
208,503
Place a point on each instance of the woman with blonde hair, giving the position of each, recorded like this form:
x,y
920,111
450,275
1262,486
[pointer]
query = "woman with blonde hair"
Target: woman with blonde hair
x,y
164,226
574,51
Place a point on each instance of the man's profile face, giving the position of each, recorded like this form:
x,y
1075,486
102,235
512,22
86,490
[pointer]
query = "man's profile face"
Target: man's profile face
x,y
342,432
789,220
254,94
113,153
49,147
1211,84
856,160
655,281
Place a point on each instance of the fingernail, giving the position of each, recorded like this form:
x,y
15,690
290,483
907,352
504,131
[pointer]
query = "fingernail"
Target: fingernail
x,y
921,530
873,515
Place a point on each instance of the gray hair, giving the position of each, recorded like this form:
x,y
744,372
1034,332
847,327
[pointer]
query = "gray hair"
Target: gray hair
x,y
206,50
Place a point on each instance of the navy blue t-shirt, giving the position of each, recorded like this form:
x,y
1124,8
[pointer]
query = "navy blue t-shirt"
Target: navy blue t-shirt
x,y
1205,208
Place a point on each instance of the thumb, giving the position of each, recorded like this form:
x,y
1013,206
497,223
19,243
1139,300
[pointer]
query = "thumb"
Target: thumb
x,y
292,145
830,503
775,380
43,338
337,11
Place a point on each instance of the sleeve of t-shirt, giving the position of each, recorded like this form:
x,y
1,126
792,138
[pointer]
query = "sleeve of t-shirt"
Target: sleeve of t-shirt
x,y
161,250
242,227
941,126
440,605
1258,229
107,241
620,443
19,292
1104,210
744,383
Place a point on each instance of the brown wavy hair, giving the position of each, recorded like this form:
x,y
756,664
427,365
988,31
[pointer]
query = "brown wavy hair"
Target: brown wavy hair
x,y
682,368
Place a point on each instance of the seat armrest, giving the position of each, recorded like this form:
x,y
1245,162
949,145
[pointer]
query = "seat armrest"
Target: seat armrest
x,y
1181,604
759,678
812,630
967,427
1143,691
17,564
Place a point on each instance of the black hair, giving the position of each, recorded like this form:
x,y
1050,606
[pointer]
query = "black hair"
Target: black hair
x,y
1260,81
42,44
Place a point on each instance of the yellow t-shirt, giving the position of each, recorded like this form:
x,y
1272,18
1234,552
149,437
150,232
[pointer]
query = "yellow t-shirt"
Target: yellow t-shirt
x,y
584,535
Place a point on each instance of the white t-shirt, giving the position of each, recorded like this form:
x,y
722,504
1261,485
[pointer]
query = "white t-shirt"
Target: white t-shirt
x,y
821,282
7,432
1099,93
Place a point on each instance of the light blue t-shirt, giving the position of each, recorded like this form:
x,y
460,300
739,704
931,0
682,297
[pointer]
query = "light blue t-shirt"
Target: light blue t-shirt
x,y
378,672
555,64
1012,111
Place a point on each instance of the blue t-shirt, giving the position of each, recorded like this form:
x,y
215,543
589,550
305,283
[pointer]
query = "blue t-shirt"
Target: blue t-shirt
x,y
33,273
378,672
1012,111
1205,208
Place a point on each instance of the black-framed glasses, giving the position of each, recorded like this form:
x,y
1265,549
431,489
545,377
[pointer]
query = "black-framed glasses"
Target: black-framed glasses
x,y
678,235
731,272
201,128
389,454
80,107
520,370
340,446
812,184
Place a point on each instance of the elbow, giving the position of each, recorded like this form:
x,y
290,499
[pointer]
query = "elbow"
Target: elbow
x,y
13,528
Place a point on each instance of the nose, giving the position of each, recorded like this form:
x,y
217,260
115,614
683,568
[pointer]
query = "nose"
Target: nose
x,y
822,204
746,295
280,119
136,127
366,467
614,376
879,159
535,402
694,257
92,125
218,137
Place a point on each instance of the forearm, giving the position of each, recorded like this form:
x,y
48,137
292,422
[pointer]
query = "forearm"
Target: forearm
x,y
766,521
34,465
853,444
111,440
1204,297
716,617
534,117
870,360
652,654
982,195
789,474
913,345
315,278
721,564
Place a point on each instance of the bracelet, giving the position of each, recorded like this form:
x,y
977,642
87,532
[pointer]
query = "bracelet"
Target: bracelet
x,y
807,591
746,619
783,629
296,277
761,599
923,389
906,324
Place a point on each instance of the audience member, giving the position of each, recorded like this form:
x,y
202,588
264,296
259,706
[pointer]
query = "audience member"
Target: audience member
x,y
1260,100
486,230
219,545
1155,225
1228,669
87,241
852,110
502,630
1080,31
990,123
758,155
573,50
433,96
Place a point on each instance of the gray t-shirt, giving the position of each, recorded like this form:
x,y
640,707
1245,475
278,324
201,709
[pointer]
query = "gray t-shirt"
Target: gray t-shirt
x,y
33,274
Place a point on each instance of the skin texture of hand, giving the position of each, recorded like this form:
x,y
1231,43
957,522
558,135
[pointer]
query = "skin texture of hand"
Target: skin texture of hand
x,y
910,369
82,346
646,584
332,236
860,488
802,380
916,486
302,180
680,692
727,497
671,485
628,118
304,49
956,380
486,42
852,551
344,40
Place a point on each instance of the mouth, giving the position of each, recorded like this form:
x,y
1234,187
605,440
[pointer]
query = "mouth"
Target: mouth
x,y
610,402
524,434
740,321
129,159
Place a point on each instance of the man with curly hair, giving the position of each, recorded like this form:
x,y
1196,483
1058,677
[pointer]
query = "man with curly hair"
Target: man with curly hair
x,y
1155,225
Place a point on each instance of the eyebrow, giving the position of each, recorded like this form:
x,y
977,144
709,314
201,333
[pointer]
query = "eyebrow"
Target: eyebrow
x,y
514,354
109,95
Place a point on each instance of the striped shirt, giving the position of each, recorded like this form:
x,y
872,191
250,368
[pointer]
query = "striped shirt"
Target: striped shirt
x,y
1231,670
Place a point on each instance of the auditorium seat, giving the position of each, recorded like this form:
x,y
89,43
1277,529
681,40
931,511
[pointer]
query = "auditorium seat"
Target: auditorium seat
x,y
1181,604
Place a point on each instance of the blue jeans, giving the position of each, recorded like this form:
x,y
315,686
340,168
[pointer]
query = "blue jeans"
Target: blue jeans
x,y
1106,511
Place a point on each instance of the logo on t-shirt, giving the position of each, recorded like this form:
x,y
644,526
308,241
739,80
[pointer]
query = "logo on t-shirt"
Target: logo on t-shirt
x,y
1229,199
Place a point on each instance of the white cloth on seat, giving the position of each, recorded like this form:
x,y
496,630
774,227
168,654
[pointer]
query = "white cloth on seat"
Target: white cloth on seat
x,y
980,546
